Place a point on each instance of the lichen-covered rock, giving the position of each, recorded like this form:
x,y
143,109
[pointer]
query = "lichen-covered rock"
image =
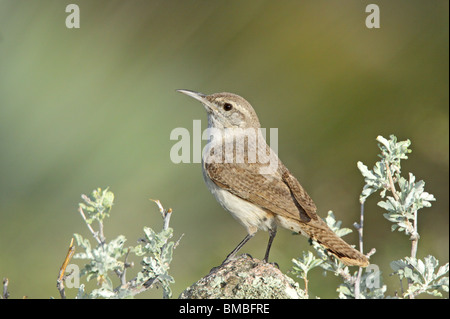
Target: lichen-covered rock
x,y
244,278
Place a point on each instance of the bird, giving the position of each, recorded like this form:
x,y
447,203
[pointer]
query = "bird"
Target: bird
x,y
249,180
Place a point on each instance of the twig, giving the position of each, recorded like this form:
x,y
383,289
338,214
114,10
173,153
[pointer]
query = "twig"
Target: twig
x,y
165,213
414,244
391,181
5,294
101,236
133,290
62,270
100,221
93,232
412,229
347,277
414,237
359,227
371,252
123,274
166,217
178,241
305,279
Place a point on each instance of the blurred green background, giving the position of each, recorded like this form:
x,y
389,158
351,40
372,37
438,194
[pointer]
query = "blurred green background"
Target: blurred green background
x,y
94,107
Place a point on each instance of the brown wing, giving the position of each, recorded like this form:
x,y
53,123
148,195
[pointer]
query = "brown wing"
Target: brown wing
x,y
279,193
298,192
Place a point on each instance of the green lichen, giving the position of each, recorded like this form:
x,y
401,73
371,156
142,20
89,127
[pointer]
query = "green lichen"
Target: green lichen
x,y
244,278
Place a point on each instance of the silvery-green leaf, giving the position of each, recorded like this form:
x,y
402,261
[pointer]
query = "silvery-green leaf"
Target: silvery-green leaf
x,y
383,141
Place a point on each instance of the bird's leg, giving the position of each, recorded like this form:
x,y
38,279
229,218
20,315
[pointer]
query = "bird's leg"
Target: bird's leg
x,y
234,252
272,233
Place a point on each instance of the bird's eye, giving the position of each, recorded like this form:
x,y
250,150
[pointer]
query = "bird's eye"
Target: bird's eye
x,y
227,107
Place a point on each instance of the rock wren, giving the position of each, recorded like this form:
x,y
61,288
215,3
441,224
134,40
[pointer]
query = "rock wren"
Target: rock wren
x,y
249,181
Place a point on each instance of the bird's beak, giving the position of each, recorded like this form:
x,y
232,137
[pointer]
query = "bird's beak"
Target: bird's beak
x,y
200,97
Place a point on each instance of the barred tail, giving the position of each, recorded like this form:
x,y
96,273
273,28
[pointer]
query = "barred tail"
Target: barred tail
x,y
336,245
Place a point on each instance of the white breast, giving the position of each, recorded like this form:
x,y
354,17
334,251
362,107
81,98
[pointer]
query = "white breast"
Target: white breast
x,y
249,215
